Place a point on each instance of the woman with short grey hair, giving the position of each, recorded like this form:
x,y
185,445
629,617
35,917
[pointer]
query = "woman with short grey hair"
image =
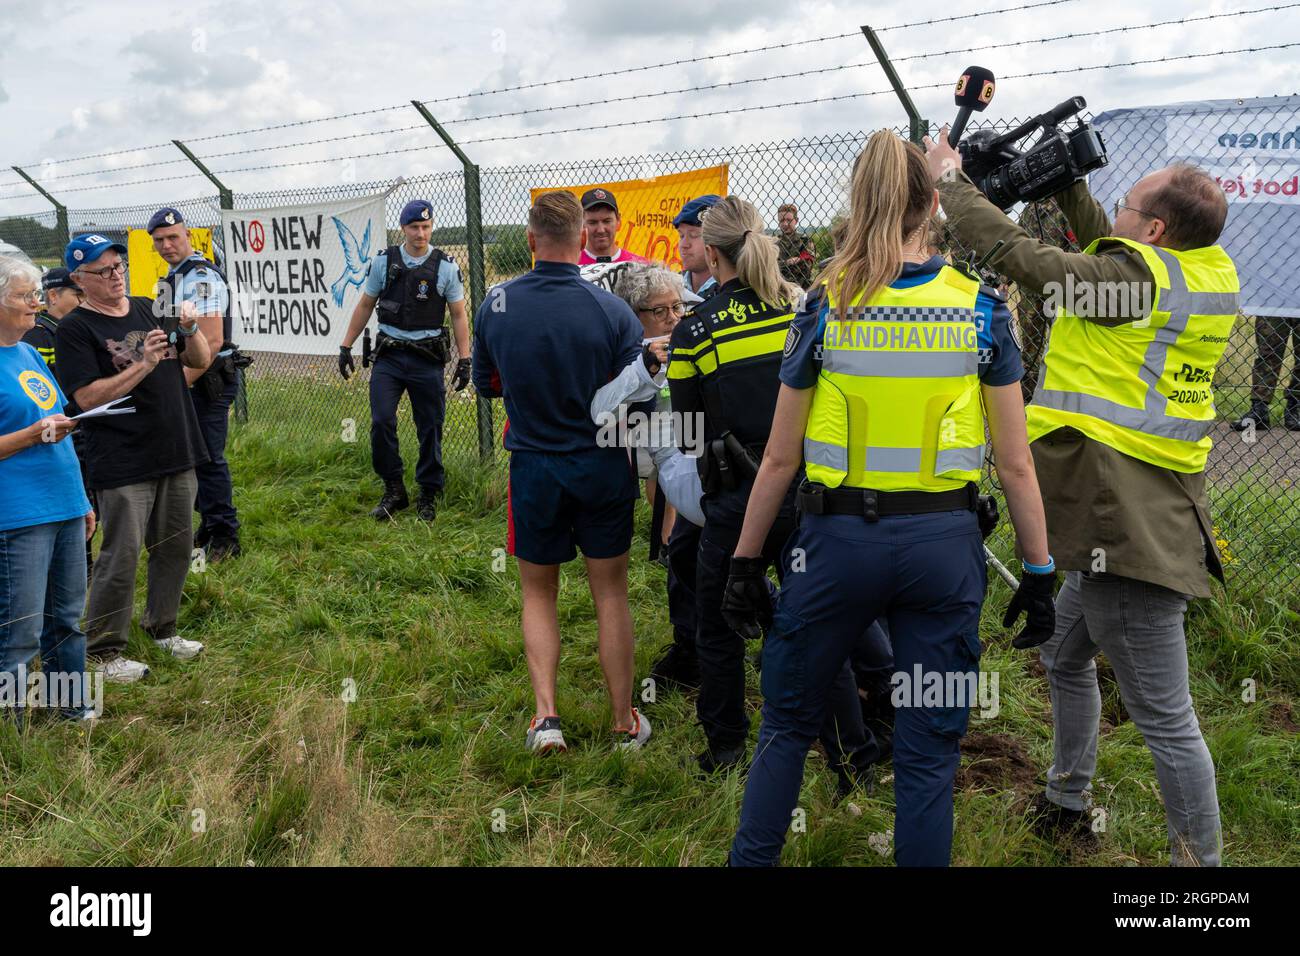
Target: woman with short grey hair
x,y
45,517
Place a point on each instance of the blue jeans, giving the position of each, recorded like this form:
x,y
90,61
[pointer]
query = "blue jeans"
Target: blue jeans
x,y
42,596
925,576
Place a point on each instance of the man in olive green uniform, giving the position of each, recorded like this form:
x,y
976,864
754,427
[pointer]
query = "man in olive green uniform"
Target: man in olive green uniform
x,y
1119,429
794,250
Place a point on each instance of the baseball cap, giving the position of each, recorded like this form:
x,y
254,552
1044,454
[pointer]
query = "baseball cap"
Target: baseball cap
x,y
599,197
417,210
88,248
690,214
59,278
164,217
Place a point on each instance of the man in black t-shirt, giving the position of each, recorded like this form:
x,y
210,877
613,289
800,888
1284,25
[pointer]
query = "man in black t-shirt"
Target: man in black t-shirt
x,y
140,465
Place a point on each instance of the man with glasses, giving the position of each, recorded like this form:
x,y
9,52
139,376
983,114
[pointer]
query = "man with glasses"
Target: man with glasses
x,y
1119,428
141,464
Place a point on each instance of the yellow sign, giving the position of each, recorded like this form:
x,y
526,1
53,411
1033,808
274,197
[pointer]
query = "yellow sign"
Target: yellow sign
x,y
147,267
647,206
39,389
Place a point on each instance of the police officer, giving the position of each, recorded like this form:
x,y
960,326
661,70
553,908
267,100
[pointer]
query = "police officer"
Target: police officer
x,y
723,369
414,286
193,278
886,375
678,666
61,296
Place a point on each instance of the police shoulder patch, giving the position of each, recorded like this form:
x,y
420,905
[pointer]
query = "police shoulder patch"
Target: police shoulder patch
x,y
1014,327
792,337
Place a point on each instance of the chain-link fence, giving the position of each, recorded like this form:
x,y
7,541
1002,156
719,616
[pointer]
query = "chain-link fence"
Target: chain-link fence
x,y
1252,474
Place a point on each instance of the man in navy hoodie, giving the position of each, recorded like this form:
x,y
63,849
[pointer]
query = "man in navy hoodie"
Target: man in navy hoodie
x,y
546,342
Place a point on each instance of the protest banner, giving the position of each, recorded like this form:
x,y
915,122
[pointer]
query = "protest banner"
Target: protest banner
x,y
296,272
647,206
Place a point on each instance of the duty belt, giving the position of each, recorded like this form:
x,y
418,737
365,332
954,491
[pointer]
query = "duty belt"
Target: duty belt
x,y
817,499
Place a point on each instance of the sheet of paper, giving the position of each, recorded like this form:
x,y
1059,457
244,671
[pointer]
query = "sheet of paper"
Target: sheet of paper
x,y
108,408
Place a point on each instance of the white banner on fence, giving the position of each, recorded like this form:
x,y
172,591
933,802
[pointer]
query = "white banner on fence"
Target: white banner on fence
x,y
296,272
1252,149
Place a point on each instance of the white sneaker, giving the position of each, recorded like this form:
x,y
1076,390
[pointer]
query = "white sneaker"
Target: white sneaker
x,y
123,670
179,648
544,735
635,738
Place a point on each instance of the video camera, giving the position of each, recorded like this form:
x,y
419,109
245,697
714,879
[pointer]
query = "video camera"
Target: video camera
x,y
1008,175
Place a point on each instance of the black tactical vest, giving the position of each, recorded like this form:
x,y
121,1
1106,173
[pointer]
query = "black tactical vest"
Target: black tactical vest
x,y
170,286
410,299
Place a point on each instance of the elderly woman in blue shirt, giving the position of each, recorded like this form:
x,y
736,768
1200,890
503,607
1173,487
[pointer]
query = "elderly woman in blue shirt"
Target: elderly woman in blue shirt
x,y
45,517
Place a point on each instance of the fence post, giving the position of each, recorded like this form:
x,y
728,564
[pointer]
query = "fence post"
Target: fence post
x,y
477,267
917,127
227,201
60,210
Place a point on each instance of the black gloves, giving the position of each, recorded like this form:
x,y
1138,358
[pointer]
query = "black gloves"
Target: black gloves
x,y
346,364
1035,598
986,510
747,602
461,378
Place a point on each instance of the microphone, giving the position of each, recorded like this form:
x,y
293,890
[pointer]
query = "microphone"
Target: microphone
x,y
974,92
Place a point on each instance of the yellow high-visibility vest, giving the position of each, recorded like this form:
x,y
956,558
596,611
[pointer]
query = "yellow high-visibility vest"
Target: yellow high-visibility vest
x,y
1144,388
897,404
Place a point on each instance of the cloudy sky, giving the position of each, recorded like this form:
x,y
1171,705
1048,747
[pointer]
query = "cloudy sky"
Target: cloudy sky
x,y
83,78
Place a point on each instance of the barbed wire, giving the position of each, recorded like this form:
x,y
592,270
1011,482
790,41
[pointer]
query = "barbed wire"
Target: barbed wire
x,y
556,82
684,116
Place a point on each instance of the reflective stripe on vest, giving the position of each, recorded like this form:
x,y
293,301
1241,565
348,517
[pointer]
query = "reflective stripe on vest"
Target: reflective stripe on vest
x,y
897,406
1149,433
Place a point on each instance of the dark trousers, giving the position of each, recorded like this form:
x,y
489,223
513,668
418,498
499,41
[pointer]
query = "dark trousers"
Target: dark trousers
x,y
1271,336
215,498
720,704
925,574
683,554
393,373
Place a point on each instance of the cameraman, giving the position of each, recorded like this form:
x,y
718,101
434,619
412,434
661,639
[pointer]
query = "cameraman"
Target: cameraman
x,y
1119,428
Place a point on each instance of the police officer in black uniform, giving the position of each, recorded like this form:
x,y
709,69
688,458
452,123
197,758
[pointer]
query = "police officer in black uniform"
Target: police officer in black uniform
x,y
194,279
414,285
725,360
61,297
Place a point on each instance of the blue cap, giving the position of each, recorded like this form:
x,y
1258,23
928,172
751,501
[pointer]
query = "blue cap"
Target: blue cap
x,y
88,248
690,214
166,216
417,210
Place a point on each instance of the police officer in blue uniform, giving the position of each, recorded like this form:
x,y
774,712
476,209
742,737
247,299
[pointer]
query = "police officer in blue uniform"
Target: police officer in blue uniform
x,y
194,279
726,355
886,379
415,286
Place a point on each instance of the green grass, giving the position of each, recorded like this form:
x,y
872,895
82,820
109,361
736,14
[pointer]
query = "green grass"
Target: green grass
x,y
257,737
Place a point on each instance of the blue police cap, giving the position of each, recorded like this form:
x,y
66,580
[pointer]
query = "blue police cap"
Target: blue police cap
x,y
88,248
690,214
164,217
417,210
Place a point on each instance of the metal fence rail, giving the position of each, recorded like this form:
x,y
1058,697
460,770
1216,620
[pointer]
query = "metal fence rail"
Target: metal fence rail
x,y
1252,477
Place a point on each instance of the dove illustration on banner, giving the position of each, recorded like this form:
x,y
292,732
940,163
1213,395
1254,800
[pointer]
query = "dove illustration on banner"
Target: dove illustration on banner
x,y
356,259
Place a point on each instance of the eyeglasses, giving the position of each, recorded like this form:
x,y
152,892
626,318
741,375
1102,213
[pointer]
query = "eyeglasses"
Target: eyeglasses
x,y
105,273
660,313
1119,204
34,296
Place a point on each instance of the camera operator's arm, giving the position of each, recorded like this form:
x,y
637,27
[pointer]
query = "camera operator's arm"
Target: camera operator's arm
x,y
1085,215
1036,266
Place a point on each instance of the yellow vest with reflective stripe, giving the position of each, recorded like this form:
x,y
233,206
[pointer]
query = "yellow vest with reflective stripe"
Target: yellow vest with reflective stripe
x,y
897,404
1144,388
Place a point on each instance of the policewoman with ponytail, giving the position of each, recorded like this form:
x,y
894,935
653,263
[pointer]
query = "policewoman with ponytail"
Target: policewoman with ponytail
x,y
724,366
888,375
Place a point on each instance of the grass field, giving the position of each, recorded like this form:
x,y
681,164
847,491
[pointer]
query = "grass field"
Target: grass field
x,y
252,754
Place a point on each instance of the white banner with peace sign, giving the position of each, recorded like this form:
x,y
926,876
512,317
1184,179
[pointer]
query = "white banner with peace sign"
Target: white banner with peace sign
x,y
296,272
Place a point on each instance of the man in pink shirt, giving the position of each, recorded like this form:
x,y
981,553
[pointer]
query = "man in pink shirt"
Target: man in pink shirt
x,y
602,222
